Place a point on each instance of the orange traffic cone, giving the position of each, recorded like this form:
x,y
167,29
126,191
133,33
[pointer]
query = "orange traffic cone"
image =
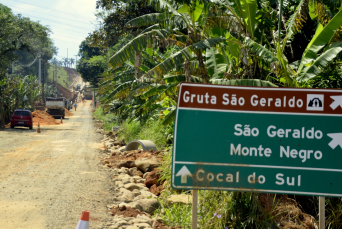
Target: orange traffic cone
x,y
83,223
61,120
38,128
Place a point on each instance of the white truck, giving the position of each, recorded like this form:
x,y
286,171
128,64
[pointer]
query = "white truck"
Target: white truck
x,y
55,107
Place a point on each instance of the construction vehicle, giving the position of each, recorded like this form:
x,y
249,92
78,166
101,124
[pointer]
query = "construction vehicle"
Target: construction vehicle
x,y
88,94
55,106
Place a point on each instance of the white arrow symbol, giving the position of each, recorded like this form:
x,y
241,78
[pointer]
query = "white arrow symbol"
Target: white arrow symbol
x,y
184,172
336,140
337,102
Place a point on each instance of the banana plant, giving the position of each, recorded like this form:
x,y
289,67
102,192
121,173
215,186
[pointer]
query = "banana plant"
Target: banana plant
x,y
171,24
313,60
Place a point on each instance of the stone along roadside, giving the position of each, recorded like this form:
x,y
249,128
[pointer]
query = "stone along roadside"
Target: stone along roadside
x,y
134,177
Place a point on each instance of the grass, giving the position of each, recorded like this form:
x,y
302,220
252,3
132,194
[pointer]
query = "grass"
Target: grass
x,y
109,120
152,130
216,209
62,75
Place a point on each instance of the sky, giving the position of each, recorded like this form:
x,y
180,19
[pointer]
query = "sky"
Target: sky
x,y
69,20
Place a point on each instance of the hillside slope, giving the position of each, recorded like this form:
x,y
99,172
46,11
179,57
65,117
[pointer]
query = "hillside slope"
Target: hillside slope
x,y
66,92
73,74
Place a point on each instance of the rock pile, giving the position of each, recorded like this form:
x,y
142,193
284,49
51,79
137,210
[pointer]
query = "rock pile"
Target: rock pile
x,y
134,175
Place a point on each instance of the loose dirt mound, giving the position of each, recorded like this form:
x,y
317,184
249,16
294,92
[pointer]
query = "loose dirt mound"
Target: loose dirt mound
x,y
133,156
43,118
67,113
126,212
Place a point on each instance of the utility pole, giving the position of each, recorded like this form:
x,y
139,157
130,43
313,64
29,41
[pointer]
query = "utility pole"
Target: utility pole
x,y
76,62
53,77
43,81
40,69
56,76
68,54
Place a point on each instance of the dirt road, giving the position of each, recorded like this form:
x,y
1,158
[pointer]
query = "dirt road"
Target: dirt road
x,y
47,179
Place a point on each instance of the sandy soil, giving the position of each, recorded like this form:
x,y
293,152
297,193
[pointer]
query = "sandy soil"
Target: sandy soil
x,y
43,118
68,113
47,179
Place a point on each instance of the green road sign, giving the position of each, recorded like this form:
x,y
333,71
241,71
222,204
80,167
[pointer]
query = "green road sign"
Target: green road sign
x,y
276,140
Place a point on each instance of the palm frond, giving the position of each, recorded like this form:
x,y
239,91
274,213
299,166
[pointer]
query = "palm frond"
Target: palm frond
x,y
204,44
148,19
153,91
261,51
168,64
136,45
170,116
117,90
243,82
296,20
177,59
180,78
320,62
152,27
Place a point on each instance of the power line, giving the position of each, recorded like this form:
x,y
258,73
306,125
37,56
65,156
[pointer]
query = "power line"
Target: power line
x,y
78,15
64,36
66,41
48,14
82,33
59,22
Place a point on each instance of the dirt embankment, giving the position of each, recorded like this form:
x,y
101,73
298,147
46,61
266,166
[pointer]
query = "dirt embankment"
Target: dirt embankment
x,y
66,93
73,74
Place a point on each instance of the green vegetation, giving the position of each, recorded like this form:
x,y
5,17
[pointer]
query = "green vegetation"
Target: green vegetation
x,y
293,43
109,120
234,42
151,130
62,75
21,41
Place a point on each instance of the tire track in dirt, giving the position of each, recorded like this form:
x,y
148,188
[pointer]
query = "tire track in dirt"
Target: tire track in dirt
x,y
47,179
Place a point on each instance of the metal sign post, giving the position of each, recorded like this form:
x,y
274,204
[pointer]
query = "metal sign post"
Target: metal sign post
x,y
194,209
321,212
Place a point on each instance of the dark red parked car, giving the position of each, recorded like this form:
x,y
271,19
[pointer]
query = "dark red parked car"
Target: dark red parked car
x,y
22,117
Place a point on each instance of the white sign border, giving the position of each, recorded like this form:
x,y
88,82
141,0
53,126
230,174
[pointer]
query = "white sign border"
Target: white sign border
x,y
220,110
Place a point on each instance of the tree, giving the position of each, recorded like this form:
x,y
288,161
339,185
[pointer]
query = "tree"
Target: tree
x,y
72,61
119,13
91,64
20,40
19,33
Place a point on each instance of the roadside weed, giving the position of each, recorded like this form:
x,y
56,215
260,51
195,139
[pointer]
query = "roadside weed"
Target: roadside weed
x,y
109,120
176,215
333,212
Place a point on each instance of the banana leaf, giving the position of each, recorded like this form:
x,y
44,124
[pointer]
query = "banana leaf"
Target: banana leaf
x,y
243,82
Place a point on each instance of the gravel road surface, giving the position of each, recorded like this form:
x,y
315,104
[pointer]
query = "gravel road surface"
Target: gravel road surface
x,y
47,179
